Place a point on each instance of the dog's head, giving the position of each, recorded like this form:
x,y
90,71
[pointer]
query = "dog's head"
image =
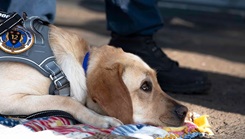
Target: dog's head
x,y
125,87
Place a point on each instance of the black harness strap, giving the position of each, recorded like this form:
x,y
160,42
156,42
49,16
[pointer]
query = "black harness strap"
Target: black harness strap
x,y
42,114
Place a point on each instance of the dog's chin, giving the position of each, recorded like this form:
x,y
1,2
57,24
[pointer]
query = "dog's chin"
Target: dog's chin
x,y
174,122
165,123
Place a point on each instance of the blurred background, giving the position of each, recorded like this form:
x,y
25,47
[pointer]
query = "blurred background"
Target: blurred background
x,y
213,10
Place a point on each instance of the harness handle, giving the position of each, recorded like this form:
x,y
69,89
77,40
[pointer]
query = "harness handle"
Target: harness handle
x,y
9,22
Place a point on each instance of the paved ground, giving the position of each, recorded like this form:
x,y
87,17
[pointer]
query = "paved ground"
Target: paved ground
x,y
215,48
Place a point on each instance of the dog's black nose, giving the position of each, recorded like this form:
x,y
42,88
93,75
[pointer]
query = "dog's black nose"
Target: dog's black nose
x,y
181,111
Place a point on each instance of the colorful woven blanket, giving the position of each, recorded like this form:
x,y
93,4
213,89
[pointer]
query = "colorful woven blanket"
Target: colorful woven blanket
x,y
58,127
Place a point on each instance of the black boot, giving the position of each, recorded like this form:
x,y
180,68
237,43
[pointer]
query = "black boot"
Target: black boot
x,y
171,77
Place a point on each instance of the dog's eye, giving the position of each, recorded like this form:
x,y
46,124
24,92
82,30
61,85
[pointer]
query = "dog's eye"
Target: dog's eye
x,y
146,86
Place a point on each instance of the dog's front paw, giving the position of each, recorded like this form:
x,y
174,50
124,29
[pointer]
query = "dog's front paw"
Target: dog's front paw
x,y
107,122
112,122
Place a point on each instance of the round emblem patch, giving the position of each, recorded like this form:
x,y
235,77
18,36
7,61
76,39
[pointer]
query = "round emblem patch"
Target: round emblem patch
x,y
16,40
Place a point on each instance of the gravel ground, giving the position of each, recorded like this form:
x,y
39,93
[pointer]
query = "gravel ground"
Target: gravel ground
x,y
215,48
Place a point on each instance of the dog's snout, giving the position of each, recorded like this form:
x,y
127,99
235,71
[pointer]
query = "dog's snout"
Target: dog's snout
x,y
181,111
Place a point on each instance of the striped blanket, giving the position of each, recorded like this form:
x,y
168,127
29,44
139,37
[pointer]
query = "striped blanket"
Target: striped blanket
x,y
59,127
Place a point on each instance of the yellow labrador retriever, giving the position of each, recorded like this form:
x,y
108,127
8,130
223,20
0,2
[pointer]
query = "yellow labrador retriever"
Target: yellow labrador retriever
x,y
117,84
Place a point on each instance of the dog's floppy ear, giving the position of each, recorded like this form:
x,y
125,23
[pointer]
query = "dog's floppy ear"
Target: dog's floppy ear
x,y
107,88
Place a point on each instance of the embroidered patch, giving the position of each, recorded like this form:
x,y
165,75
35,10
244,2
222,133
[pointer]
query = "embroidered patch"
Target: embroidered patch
x,y
16,40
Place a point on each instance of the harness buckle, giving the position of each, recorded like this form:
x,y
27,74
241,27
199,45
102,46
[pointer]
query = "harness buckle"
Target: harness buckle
x,y
56,81
61,84
59,80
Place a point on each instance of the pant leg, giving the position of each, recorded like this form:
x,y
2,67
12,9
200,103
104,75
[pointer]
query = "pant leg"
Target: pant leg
x,y
45,9
127,17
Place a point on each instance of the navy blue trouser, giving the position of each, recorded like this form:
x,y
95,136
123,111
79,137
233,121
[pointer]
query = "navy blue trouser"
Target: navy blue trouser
x,y
124,17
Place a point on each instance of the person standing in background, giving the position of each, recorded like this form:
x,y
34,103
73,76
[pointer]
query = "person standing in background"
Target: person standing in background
x,y
133,24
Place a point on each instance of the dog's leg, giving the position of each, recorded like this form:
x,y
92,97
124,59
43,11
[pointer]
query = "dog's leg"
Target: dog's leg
x,y
24,104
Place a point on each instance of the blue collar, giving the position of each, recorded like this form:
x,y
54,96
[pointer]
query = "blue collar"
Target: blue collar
x,y
85,62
